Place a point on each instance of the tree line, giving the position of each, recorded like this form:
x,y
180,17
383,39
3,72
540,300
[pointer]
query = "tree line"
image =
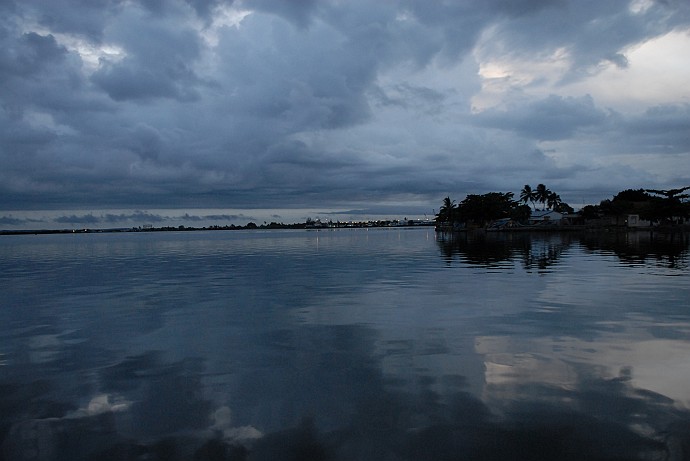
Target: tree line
x,y
666,207
658,206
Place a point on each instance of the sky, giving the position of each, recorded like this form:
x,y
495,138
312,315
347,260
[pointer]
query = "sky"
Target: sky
x,y
128,112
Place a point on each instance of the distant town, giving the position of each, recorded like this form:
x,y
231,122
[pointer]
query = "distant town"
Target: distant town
x,y
315,224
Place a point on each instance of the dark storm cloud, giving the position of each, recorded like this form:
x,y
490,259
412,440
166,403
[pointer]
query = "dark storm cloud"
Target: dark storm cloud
x,y
231,103
33,67
37,72
661,129
204,8
159,60
410,97
138,216
278,75
145,141
552,118
12,221
297,11
31,54
84,17
74,219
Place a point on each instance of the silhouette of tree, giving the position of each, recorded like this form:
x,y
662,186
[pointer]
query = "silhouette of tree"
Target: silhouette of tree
x,y
671,193
527,195
590,211
564,208
660,206
541,194
632,195
521,213
553,201
447,211
482,209
672,208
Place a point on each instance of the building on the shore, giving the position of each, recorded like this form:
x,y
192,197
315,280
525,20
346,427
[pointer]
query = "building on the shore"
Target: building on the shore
x,y
633,220
625,220
538,217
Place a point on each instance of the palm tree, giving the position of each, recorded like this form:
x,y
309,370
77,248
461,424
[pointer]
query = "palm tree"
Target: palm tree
x,y
445,213
553,201
527,195
541,194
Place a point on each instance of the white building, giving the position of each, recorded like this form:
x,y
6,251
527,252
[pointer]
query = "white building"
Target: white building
x,y
545,216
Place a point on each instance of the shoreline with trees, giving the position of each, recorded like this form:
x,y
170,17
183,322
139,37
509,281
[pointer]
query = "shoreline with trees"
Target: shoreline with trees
x,y
535,209
631,209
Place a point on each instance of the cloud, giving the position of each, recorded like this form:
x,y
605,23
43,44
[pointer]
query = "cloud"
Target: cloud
x,y
138,216
552,118
292,104
74,219
298,12
32,54
663,129
87,18
14,222
588,32
280,81
158,59
129,219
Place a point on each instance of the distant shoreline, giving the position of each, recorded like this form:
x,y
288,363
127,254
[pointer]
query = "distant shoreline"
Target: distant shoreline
x,y
356,225
231,227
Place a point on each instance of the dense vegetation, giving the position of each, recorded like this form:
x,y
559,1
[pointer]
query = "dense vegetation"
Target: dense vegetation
x,y
666,207
480,210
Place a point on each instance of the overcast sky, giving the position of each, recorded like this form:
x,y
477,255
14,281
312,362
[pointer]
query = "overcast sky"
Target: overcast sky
x,y
335,105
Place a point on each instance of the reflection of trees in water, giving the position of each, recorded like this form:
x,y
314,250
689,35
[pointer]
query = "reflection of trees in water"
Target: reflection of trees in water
x,y
545,252
541,251
665,250
492,249
476,248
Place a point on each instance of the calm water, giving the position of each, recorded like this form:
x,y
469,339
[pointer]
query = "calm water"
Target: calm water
x,y
380,344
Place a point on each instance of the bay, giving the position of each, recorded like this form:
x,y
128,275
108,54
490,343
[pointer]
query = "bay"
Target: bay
x,y
345,344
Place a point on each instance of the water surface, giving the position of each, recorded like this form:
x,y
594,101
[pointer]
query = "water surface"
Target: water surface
x,y
347,344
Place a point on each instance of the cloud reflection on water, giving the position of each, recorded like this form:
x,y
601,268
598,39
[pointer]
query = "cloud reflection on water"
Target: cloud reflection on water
x,y
592,418
363,346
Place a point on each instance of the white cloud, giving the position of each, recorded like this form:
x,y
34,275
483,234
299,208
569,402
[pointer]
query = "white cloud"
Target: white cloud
x,y
657,73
